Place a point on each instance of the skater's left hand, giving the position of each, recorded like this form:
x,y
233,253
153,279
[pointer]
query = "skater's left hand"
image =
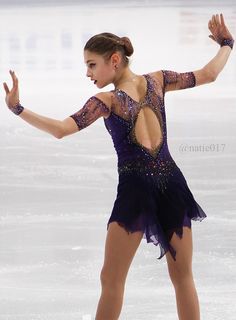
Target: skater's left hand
x,y
218,29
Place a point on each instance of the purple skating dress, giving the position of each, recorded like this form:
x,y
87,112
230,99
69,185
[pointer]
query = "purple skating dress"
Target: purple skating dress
x,y
152,193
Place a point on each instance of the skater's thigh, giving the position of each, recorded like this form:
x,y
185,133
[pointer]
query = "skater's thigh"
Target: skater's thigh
x,y
184,251
120,248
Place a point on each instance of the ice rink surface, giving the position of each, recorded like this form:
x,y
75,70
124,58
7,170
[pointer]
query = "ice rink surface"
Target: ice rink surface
x,y
56,196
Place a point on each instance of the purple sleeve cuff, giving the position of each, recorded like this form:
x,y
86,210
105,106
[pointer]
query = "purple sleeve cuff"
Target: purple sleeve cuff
x,y
227,42
17,109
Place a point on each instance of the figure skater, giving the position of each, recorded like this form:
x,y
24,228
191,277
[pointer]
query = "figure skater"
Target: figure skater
x,y
153,199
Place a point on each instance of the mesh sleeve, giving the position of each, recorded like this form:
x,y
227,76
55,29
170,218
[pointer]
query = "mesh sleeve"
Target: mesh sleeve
x,y
93,109
176,81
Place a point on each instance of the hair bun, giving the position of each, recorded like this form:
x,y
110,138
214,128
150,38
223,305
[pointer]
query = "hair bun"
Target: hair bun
x,y
127,46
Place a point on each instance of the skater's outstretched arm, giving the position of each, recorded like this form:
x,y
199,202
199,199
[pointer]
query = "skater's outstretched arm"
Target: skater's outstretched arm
x,y
221,35
172,80
92,110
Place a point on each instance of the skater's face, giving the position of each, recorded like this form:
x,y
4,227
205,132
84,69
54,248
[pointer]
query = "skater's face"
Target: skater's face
x,y
99,70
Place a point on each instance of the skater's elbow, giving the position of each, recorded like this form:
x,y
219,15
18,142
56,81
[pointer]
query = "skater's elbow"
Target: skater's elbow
x,y
210,74
58,135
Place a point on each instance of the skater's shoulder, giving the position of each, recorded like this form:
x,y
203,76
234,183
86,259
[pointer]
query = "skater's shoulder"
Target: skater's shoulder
x,y
157,77
105,97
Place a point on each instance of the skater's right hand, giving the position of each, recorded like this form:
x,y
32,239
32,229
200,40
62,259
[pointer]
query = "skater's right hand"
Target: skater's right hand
x,y
12,96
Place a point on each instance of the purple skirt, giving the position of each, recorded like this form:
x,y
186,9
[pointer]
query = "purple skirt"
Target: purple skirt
x,y
141,205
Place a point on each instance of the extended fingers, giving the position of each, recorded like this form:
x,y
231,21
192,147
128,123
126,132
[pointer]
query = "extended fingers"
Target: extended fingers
x,y
222,19
216,23
6,88
14,79
212,23
217,20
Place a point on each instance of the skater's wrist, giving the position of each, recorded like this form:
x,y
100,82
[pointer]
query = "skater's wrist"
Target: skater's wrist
x,y
17,108
227,42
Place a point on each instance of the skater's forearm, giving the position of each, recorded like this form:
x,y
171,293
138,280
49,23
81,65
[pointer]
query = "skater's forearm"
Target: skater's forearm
x,y
57,128
216,65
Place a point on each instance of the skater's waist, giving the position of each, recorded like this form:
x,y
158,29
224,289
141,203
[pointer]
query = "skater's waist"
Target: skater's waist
x,y
147,167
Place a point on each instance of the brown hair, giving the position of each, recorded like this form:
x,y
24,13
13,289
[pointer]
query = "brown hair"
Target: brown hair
x,y
107,43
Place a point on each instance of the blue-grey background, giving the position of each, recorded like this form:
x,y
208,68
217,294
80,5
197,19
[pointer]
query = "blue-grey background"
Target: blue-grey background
x,y
56,195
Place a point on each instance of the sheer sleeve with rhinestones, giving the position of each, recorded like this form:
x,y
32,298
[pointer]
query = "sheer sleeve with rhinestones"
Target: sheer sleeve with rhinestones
x,y
93,109
176,81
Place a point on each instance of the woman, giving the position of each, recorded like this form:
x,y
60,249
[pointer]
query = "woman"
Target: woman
x,y
153,198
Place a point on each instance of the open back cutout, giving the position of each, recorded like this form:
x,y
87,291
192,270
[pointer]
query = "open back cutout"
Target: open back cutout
x,y
147,131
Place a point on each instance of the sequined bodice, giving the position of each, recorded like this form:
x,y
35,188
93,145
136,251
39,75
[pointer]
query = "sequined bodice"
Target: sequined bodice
x,y
138,129
132,155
